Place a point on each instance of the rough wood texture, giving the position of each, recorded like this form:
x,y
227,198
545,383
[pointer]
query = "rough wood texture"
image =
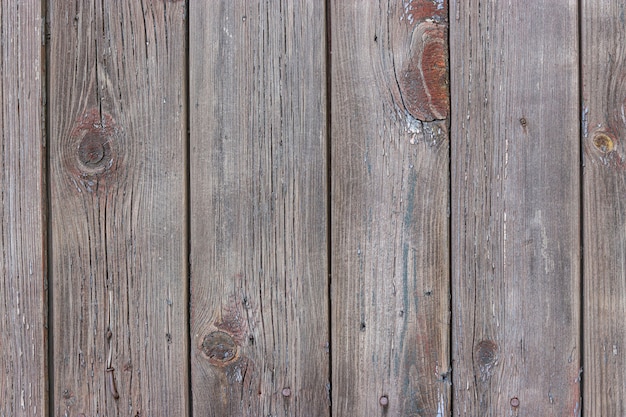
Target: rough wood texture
x,y
604,129
23,299
117,166
390,205
515,208
258,209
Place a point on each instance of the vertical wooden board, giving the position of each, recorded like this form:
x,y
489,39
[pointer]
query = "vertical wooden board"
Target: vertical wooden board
x,y
515,208
23,317
117,165
604,186
390,208
259,308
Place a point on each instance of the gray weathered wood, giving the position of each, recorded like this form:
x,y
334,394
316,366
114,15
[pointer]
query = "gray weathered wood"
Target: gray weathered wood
x,y
390,205
117,165
515,208
258,209
604,127
23,296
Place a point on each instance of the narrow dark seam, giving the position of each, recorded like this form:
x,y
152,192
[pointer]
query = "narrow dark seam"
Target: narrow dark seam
x,y
187,164
47,207
581,225
450,369
328,57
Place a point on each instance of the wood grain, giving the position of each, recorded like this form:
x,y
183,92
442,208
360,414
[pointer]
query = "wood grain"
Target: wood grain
x,y
390,208
258,209
117,165
604,127
23,292
515,208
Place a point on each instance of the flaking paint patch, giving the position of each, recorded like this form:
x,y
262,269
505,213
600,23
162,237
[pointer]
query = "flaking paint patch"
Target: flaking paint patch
x,y
585,121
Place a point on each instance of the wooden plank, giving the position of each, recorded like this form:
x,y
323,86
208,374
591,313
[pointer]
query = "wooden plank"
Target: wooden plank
x,y
604,125
259,307
23,295
118,169
390,208
515,208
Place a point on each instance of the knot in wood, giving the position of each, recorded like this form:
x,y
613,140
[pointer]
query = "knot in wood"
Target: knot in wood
x,y
219,347
603,142
94,153
487,353
486,358
91,146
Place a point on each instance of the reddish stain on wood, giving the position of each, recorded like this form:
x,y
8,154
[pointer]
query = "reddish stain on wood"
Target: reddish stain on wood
x,y
424,79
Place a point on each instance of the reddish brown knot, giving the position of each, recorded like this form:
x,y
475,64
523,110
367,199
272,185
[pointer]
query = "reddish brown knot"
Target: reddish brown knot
x,y
92,140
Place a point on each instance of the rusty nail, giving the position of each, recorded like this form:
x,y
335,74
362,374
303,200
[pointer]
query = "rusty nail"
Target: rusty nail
x,y
514,402
286,392
384,401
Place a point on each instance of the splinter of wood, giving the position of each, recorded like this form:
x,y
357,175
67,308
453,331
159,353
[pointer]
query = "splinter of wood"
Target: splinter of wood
x,y
111,383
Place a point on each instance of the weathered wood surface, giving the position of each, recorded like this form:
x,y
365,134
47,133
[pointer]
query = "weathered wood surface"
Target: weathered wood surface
x,y
603,130
515,208
23,297
390,205
259,274
117,109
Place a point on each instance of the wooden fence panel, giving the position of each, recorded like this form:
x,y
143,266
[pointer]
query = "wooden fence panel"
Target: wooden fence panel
x,y
515,208
604,125
117,165
259,271
390,208
23,297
